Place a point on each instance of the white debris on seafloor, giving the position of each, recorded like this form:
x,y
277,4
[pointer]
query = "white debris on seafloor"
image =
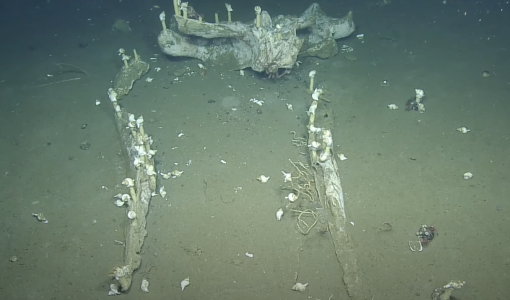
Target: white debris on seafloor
x,y
258,102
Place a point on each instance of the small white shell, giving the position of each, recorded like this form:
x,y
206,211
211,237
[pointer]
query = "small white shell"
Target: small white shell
x,y
419,93
162,192
327,140
151,153
139,121
287,177
314,129
125,197
468,175
184,283
140,150
176,173
392,106
40,217
289,106
291,197
316,94
149,169
279,214
114,290
128,182
149,79
342,156
263,178
300,287
241,72
314,145
421,107
325,155
119,202
131,215
138,162
250,255
145,285
463,130
112,95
